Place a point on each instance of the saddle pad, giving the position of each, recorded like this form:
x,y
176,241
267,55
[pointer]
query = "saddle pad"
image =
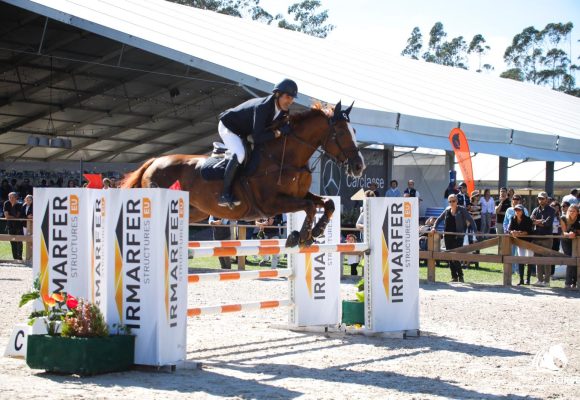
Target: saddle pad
x,y
213,168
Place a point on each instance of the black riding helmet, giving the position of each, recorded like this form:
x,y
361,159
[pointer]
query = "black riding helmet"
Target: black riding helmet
x,y
287,86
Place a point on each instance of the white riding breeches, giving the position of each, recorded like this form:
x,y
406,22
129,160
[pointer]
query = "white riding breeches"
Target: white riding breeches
x,y
232,141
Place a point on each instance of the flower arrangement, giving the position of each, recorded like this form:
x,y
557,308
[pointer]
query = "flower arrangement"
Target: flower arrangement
x,y
62,311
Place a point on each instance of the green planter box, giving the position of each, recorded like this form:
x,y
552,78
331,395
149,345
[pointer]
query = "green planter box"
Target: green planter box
x,y
353,312
82,356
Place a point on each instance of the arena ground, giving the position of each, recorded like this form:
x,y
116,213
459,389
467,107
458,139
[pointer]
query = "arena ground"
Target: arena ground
x,y
480,342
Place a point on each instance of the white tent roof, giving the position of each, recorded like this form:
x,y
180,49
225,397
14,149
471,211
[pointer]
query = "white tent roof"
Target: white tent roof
x,y
398,101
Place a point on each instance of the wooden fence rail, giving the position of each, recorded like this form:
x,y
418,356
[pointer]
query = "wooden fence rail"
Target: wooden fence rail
x,y
504,243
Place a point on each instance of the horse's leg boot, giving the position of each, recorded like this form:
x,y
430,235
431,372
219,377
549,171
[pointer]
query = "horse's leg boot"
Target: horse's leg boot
x,y
227,199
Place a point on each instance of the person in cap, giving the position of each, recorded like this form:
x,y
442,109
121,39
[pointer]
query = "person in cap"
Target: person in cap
x,y
253,118
521,225
542,220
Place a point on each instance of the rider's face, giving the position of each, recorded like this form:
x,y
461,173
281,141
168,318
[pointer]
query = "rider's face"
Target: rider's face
x,y
285,101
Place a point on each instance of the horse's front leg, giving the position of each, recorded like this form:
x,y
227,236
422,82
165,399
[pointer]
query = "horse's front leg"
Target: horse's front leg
x,y
289,204
328,206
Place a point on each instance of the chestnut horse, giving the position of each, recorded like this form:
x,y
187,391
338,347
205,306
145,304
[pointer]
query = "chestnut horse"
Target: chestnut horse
x,y
281,181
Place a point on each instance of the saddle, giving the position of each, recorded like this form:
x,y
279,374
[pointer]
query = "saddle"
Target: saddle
x,y
214,167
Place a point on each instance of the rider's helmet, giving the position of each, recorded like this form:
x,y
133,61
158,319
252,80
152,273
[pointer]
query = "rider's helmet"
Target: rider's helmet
x,y
287,86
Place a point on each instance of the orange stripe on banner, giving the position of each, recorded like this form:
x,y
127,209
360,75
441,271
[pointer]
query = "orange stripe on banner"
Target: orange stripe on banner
x,y
193,278
311,249
193,312
268,274
194,244
232,308
269,304
229,276
265,250
224,251
269,242
231,243
345,247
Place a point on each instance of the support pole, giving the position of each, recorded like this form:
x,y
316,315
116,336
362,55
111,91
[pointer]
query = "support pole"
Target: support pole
x,y
503,172
550,178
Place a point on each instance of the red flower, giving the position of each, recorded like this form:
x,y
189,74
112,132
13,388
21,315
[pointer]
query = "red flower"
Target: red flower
x,y
71,302
58,297
49,300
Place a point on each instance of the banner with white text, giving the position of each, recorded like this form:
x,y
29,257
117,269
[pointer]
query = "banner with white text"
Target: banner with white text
x,y
392,268
146,258
315,288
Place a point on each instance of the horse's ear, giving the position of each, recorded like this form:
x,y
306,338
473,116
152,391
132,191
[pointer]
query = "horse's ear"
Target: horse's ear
x,y
347,111
337,108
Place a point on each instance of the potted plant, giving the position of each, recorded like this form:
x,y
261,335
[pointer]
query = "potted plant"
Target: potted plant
x,y
353,311
82,345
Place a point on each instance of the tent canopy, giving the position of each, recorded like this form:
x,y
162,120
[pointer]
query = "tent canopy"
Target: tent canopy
x,y
127,79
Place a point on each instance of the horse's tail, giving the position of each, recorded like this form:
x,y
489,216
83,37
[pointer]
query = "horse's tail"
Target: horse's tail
x,y
133,179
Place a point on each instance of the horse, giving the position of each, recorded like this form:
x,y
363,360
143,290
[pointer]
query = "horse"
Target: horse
x,y
281,181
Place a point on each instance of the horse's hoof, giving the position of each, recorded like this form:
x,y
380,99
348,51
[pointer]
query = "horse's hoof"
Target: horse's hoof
x,y
293,239
316,232
307,243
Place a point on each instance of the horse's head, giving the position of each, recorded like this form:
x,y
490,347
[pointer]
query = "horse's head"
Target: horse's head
x,y
341,141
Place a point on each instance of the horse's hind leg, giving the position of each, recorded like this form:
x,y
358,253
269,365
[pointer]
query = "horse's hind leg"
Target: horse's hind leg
x,y
328,206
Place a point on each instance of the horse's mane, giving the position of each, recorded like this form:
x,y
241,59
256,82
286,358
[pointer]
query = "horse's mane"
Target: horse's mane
x,y
315,110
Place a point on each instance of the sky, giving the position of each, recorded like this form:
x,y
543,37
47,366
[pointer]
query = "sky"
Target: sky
x,y
390,23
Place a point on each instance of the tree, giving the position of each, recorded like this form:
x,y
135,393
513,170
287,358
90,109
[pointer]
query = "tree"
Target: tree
x,y
308,19
478,46
451,53
414,44
537,56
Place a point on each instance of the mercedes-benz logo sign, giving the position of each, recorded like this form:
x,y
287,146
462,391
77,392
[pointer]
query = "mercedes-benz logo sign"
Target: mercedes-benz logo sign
x,y
331,178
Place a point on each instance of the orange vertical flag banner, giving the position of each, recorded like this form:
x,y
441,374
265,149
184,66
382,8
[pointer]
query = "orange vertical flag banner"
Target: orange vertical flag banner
x,y
463,156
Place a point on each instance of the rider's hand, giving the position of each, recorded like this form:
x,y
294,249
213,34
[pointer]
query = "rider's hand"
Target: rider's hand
x,y
285,129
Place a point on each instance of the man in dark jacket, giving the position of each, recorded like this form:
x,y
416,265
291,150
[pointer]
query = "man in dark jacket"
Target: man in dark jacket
x,y
253,118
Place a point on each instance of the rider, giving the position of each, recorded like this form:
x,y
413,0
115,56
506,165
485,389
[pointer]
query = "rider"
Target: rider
x,y
253,117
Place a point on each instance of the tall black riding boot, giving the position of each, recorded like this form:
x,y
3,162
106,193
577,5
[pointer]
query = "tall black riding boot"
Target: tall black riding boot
x,y
227,199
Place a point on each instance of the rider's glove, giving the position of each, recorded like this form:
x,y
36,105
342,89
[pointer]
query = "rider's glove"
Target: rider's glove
x,y
285,129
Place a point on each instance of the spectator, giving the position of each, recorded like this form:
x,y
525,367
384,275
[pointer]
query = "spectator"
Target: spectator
x,y
556,230
27,213
393,191
268,232
221,234
542,220
411,191
565,206
113,183
71,183
572,198
570,228
451,189
521,225
475,210
503,204
457,219
374,187
352,259
106,183
43,183
13,210
487,208
509,214
511,193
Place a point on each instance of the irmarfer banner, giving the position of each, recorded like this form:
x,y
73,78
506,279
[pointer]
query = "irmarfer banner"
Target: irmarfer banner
x,y
315,290
392,267
147,258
